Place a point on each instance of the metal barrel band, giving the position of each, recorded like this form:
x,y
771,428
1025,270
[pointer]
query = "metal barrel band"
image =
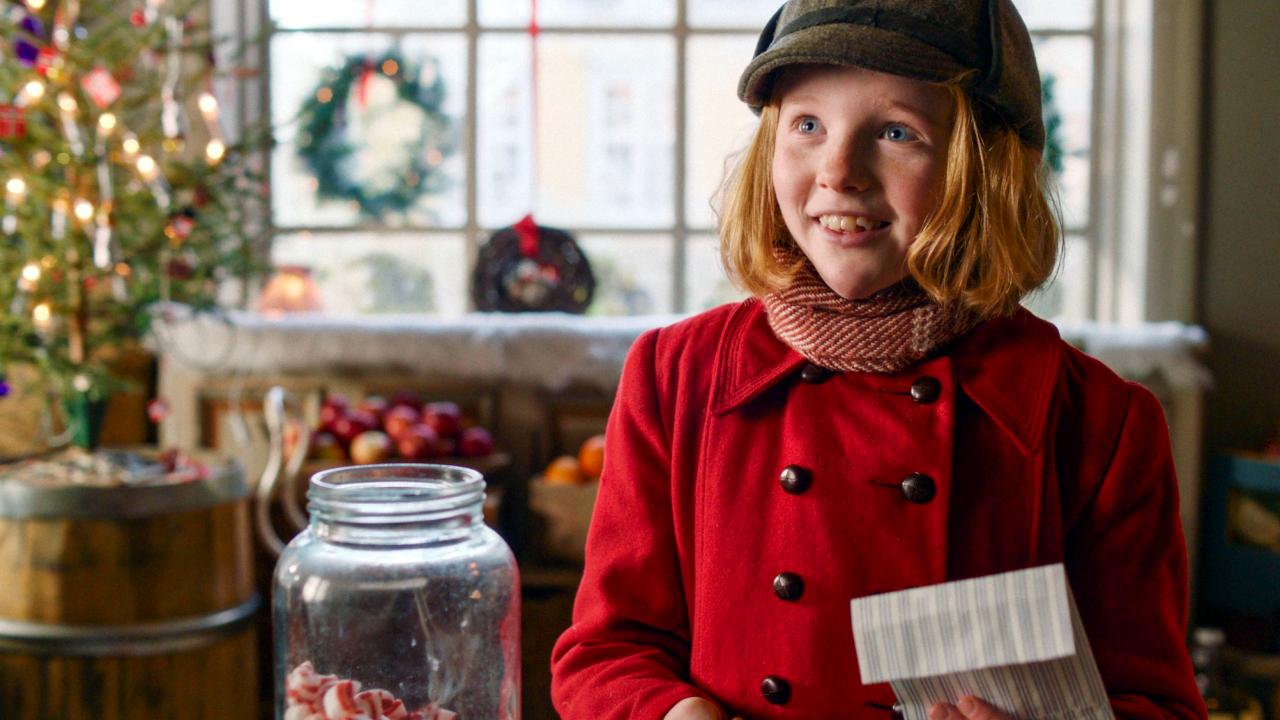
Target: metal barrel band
x,y
152,638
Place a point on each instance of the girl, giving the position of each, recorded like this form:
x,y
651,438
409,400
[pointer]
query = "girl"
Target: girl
x,y
882,415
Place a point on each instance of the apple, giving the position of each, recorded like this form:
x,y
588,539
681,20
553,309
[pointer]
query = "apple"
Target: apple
x,y
352,424
398,419
326,446
417,442
443,417
475,442
376,406
370,446
334,407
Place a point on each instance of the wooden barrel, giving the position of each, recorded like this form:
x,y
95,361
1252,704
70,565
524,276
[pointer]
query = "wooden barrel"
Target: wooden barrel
x,y
127,602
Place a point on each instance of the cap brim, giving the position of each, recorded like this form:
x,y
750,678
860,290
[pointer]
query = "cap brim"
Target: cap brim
x,y
846,44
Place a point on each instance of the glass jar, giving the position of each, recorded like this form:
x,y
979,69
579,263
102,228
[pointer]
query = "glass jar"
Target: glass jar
x,y
397,601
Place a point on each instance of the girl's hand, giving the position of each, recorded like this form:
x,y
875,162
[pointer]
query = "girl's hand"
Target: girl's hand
x,y
968,707
695,708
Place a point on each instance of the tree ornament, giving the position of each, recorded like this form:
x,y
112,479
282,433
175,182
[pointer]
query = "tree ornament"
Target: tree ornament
x,y
101,87
48,62
338,106
4,386
180,225
13,122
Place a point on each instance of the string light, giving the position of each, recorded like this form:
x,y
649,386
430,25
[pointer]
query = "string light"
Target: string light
x,y
67,103
147,167
107,122
83,210
31,92
208,104
16,187
42,318
215,150
30,276
35,4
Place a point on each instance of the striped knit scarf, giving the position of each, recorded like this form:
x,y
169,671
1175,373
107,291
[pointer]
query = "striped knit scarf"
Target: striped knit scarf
x,y
886,332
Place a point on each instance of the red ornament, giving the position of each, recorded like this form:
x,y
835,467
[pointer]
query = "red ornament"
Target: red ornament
x,y
157,410
13,122
137,18
47,58
101,87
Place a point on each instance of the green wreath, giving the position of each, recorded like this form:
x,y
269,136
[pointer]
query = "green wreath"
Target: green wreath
x,y
324,147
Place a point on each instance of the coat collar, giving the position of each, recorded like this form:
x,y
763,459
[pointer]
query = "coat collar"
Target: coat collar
x,y
1007,366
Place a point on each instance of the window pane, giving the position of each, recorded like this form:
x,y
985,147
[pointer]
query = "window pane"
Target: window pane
x,y
747,14
579,13
1056,14
378,127
719,125
361,273
1066,67
1067,295
604,132
372,13
633,273
706,284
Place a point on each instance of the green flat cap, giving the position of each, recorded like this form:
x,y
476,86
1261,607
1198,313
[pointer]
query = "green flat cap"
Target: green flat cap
x,y
930,40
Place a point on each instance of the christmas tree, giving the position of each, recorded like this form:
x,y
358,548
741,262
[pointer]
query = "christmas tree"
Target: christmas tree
x,y
123,199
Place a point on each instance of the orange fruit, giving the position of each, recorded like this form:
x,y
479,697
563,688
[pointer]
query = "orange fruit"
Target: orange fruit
x,y
564,470
591,456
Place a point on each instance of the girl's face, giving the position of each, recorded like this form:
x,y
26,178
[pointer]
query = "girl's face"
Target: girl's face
x,y
857,167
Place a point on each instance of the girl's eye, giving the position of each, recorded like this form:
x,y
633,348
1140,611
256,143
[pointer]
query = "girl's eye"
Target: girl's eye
x,y
807,125
898,133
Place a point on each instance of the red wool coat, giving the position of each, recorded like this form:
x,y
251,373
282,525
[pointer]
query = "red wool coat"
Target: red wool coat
x,y
729,460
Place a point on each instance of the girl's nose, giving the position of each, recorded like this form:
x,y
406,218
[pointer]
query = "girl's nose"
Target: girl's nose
x,y
844,167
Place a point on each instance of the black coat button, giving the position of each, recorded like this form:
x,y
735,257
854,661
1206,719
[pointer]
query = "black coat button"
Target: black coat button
x,y
788,586
925,389
918,488
775,690
815,373
795,479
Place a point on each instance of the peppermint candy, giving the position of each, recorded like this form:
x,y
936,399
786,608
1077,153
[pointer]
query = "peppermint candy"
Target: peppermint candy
x,y
310,695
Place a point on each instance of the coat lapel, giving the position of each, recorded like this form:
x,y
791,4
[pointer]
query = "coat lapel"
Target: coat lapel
x,y
1007,366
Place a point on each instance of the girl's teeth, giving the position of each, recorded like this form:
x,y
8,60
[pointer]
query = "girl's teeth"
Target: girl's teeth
x,y
848,223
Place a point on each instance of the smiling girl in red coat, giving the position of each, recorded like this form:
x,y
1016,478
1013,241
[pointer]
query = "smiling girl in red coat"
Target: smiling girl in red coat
x,y
882,414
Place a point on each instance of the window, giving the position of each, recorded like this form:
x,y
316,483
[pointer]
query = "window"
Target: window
x,y
617,121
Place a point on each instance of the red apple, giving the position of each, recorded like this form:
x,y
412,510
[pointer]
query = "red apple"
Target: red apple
x,y
375,405
398,419
352,424
326,446
476,442
333,408
370,446
443,417
417,442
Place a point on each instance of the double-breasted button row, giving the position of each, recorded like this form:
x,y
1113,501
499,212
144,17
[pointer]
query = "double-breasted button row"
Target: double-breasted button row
x,y
815,374
919,488
775,690
925,390
788,586
795,479
916,487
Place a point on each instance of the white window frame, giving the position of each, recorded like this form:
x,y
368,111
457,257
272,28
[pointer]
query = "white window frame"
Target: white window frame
x,y
1144,218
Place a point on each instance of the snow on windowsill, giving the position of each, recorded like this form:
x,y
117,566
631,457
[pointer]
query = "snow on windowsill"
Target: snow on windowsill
x,y
548,350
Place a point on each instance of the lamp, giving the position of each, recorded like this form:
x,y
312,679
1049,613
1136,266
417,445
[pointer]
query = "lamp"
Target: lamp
x,y
291,289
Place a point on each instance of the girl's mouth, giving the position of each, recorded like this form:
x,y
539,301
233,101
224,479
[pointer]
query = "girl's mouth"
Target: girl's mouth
x,y
850,223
